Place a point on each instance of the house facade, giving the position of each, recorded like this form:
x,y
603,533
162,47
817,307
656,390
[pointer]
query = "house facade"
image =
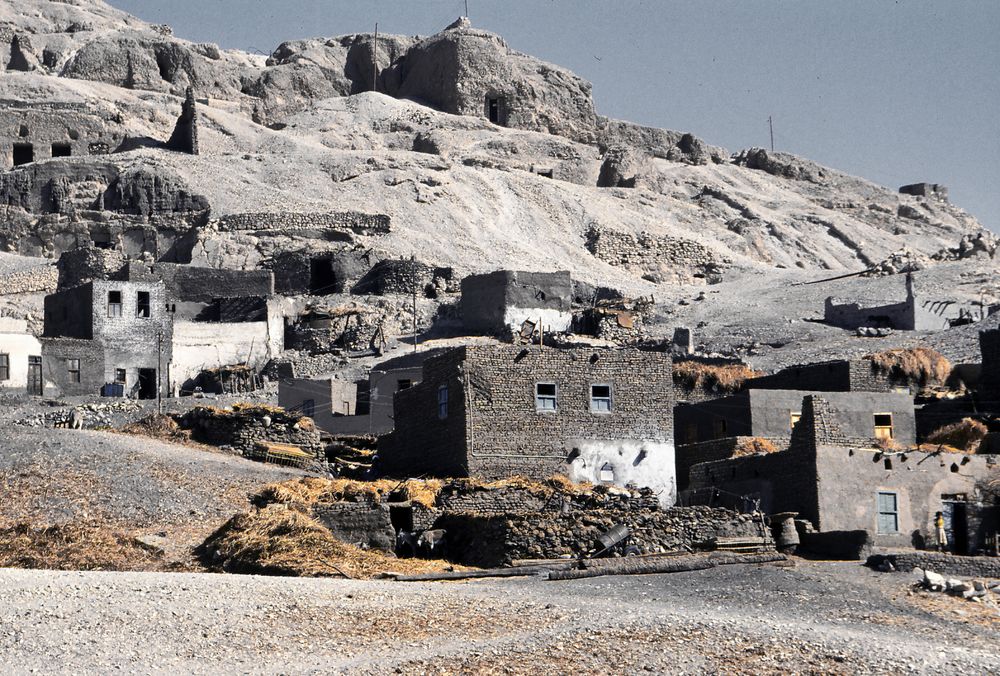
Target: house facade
x,y
108,332
842,483
598,415
20,358
500,302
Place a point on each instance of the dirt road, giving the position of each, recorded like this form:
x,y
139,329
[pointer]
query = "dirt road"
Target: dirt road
x,y
823,617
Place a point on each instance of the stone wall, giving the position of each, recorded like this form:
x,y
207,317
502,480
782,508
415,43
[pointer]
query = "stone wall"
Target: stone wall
x,y
496,540
353,221
661,257
200,284
855,375
947,564
404,277
243,427
39,279
499,302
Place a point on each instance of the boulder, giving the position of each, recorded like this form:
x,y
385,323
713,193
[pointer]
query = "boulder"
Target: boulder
x,y
934,581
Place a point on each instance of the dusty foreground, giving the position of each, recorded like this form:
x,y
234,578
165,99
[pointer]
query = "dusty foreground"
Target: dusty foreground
x,y
817,617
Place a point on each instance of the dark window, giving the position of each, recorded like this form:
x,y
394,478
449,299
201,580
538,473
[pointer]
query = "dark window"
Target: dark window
x,y
545,397
61,150
73,368
4,367
600,398
883,426
719,428
888,513
114,303
24,153
120,376
404,384
309,408
443,402
142,304
101,239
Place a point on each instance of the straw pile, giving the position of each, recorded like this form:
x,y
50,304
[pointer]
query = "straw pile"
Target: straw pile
x,y
964,436
723,378
277,540
920,365
74,546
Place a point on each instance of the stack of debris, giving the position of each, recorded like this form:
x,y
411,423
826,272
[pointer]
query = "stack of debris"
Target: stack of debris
x,y
619,320
973,590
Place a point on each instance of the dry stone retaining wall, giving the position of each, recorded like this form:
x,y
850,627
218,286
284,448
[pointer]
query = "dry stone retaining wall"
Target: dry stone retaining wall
x,y
42,278
340,220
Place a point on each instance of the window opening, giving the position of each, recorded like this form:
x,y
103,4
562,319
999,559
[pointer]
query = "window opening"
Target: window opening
x,y
404,384
888,513
62,150
73,368
719,427
309,408
4,367
607,473
443,402
883,426
24,153
120,376
600,398
887,463
114,303
794,417
546,396
142,304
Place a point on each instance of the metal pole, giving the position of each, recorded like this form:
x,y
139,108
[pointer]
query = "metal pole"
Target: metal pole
x,y
159,372
770,126
375,61
414,271
466,9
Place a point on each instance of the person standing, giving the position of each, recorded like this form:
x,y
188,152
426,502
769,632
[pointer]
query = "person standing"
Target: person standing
x,y
942,537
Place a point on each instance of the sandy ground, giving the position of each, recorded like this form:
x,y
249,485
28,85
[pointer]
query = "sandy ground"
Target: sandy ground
x,y
815,617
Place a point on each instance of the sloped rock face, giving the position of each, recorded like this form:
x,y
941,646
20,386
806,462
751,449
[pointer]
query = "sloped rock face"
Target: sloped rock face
x,y
145,190
469,72
781,164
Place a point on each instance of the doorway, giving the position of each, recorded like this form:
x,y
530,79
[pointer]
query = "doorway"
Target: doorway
x,y
956,522
322,278
35,387
496,110
24,153
147,383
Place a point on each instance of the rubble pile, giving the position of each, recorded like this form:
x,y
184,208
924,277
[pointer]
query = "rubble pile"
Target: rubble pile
x,y
973,590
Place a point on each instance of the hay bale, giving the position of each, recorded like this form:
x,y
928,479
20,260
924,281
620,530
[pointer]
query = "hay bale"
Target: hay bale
x,y
965,435
916,365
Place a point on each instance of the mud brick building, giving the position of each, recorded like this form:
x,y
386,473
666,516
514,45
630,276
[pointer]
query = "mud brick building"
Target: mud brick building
x,y
498,303
914,313
598,415
838,375
841,483
108,332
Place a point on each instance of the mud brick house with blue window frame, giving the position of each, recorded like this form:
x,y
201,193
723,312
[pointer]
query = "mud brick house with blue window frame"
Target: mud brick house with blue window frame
x,y
494,411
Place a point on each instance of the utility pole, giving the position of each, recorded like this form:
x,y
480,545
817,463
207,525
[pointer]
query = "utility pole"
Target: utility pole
x,y
413,269
159,372
770,125
375,61
466,9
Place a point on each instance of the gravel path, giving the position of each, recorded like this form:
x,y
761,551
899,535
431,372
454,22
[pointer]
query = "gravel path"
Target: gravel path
x,y
821,617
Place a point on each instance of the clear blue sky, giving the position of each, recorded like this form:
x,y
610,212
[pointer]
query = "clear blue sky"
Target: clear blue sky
x,y
896,91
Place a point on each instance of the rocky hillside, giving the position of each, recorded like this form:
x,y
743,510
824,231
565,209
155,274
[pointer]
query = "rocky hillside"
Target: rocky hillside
x,y
481,157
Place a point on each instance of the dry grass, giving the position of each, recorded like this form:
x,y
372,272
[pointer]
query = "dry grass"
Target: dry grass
x,y
725,379
753,446
919,365
75,546
965,436
277,540
424,492
313,490
158,426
